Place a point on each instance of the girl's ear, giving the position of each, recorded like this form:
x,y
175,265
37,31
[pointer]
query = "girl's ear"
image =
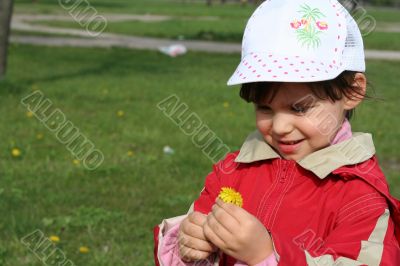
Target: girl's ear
x,y
360,87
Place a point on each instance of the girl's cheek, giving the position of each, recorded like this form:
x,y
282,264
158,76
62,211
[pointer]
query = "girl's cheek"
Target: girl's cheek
x,y
263,125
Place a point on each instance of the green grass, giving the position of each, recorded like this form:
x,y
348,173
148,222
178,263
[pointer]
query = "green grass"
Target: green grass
x,y
166,7
42,34
112,210
228,26
225,30
383,14
382,41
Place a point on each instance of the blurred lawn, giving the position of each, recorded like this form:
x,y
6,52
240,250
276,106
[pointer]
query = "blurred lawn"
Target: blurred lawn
x,y
225,30
193,20
112,210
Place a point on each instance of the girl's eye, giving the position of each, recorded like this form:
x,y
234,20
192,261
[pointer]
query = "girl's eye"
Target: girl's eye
x,y
264,109
300,109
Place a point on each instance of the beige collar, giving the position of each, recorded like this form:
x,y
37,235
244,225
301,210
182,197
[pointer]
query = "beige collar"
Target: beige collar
x,y
322,162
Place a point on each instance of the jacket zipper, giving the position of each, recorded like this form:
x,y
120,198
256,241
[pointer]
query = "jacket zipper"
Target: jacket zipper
x,y
276,195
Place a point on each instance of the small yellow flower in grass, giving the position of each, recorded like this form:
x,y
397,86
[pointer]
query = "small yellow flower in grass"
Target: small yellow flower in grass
x,y
226,104
76,162
120,113
54,239
229,195
29,114
15,152
84,250
39,136
130,153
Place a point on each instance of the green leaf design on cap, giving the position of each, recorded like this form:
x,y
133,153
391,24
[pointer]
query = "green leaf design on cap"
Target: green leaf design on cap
x,y
311,14
309,38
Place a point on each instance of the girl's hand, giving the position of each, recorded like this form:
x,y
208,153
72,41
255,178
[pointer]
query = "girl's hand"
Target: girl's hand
x,y
193,244
238,233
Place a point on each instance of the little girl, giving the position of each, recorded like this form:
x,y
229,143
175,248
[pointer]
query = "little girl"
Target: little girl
x,y
310,192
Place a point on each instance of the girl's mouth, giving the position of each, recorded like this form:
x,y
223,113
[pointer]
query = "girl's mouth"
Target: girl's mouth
x,y
288,147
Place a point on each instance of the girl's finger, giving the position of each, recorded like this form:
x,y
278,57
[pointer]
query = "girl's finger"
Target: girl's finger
x,y
225,219
189,254
193,230
236,212
197,218
216,233
195,243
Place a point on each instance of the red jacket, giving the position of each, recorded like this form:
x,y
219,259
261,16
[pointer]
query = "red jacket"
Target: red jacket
x,y
333,206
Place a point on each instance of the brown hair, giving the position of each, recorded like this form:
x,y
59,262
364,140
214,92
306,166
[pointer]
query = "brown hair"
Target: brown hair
x,y
333,90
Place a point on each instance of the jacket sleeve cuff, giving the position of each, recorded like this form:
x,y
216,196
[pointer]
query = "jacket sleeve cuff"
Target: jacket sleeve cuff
x,y
169,251
269,261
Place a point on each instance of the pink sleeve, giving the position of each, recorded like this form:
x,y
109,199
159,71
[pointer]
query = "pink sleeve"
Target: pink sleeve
x,y
169,251
269,261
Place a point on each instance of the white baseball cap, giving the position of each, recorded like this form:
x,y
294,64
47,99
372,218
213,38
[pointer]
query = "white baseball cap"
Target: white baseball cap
x,y
299,41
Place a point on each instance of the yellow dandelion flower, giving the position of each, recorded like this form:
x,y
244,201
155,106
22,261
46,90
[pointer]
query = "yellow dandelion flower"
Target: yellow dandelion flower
x,y
39,136
120,113
84,250
54,239
226,104
229,195
15,152
130,153
76,162
29,114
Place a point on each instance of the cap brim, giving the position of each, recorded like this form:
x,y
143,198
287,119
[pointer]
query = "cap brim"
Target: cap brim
x,y
261,67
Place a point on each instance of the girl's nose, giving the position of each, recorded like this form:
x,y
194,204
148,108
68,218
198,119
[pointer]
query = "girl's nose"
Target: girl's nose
x,y
282,124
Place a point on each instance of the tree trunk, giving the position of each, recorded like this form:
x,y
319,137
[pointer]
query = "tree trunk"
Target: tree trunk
x,y
6,7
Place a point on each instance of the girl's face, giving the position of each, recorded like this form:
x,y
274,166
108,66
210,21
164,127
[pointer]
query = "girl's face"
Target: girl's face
x,y
296,123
